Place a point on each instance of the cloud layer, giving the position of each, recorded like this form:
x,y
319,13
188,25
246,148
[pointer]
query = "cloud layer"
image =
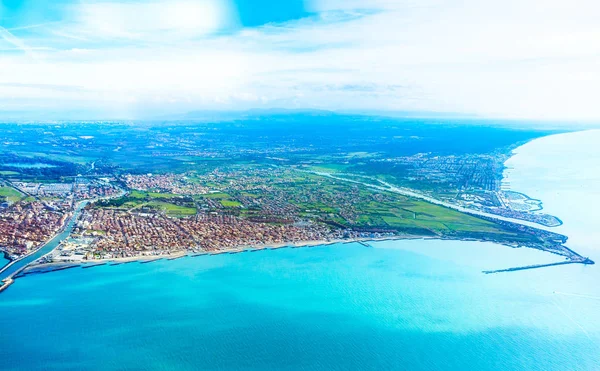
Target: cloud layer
x,y
528,58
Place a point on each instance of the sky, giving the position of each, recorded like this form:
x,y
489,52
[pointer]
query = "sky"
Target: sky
x,y
531,59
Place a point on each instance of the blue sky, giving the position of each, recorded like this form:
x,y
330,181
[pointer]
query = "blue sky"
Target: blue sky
x,y
137,59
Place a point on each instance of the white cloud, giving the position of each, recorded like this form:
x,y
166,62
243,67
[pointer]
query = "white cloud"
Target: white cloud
x,y
139,20
529,58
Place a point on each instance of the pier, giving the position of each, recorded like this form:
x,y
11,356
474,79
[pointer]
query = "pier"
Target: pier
x,y
176,257
7,282
150,261
46,268
585,261
122,262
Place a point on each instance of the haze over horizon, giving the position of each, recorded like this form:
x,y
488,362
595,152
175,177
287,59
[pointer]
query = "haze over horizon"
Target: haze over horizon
x,y
107,59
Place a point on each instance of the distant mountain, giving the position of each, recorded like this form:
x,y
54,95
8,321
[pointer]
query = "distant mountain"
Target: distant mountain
x,y
214,115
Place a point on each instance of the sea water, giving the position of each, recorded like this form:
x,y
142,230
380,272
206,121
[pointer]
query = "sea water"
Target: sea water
x,y
419,305
409,305
564,172
3,260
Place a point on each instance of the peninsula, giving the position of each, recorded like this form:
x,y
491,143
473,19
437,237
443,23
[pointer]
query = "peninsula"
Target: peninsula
x,y
192,196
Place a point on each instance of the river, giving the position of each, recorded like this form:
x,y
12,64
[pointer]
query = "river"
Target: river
x,y
16,265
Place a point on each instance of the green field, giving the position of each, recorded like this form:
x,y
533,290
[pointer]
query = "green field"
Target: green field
x,y
329,168
171,209
225,199
10,194
218,196
138,194
409,214
230,203
168,203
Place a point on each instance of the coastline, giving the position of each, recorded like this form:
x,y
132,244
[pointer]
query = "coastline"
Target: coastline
x,y
6,282
143,259
539,203
149,258
568,185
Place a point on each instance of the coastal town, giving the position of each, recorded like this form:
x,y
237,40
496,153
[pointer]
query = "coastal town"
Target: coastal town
x,y
108,234
229,208
109,228
32,213
166,190
25,226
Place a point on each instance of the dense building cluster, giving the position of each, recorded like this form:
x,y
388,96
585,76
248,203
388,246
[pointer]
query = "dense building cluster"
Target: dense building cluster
x,y
26,225
118,233
93,190
452,172
170,183
82,189
218,232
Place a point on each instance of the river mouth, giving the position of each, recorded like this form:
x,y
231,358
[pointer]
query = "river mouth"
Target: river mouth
x,y
14,267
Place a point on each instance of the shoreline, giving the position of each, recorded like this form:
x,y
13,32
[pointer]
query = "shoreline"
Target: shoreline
x,y
169,256
144,259
540,203
40,268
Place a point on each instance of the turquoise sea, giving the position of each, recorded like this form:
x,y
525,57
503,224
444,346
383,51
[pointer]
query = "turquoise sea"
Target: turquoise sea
x,y
407,305
420,305
3,260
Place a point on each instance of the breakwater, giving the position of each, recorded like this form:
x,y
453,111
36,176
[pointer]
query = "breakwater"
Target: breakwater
x,y
585,261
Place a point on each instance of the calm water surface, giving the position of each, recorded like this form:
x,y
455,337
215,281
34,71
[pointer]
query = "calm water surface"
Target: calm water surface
x,y
3,260
415,304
